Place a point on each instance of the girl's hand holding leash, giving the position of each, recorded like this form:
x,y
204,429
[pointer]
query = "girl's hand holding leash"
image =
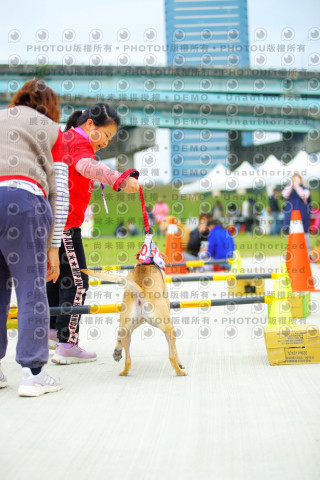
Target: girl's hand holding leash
x,y
130,185
127,182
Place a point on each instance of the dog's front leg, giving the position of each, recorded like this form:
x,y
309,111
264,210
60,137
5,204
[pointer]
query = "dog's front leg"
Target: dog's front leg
x,y
176,354
124,336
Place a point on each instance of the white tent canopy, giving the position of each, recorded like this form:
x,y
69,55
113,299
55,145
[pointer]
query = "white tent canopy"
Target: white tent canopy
x,y
244,176
271,173
207,183
308,166
221,178
299,163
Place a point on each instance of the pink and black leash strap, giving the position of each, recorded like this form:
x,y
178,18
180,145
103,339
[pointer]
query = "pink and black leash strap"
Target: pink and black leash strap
x,y
132,172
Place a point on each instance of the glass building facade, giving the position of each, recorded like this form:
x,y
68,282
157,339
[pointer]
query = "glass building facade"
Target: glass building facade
x,y
204,34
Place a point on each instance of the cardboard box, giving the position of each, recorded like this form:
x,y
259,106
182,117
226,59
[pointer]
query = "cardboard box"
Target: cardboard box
x,y
295,336
293,356
254,286
293,345
300,304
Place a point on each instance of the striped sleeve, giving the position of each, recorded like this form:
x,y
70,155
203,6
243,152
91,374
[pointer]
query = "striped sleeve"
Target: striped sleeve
x,y
62,202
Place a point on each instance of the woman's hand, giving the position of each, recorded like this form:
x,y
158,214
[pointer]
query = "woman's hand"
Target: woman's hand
x,y
130,185
53,268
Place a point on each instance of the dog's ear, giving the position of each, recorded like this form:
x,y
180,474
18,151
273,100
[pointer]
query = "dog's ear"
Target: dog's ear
x,y
137,255
165,258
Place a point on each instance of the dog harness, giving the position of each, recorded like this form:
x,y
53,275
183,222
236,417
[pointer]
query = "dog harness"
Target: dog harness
x,y
150,254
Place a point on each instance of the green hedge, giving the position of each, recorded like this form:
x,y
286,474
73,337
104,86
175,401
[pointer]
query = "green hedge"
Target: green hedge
x,y
125,208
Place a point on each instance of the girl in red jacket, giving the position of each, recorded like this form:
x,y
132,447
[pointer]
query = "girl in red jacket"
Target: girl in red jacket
x,y
86,132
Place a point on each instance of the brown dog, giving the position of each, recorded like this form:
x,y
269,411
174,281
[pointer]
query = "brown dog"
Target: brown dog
x,y
145,299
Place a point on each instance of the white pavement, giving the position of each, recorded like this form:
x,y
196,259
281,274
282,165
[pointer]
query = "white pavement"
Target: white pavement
x,y
233,417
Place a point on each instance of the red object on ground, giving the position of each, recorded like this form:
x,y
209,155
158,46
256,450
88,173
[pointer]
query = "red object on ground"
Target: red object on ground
x,y
220,268
231,229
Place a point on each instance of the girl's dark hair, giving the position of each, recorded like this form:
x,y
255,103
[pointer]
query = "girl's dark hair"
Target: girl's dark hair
x,y
37,95
208,216
100,113
213,222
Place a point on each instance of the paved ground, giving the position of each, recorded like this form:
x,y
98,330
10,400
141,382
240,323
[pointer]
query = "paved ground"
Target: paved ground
x,y
233,416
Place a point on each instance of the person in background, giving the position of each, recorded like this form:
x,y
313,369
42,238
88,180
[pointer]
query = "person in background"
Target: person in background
x,y
220,245
297,197
264,221
160,211
121,231
198,236
245,213
150,215
252,211
133,229
232,219
275,211
33,197
248,212
86,132
217,211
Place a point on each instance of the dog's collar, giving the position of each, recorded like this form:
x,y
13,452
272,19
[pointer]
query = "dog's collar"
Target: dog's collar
x,y
153,264
147,263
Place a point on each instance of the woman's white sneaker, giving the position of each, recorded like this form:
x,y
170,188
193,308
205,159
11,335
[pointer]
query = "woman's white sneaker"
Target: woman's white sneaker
x,y
36,385
3,379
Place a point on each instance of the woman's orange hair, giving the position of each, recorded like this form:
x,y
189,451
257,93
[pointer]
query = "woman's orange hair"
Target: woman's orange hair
x,y
37,95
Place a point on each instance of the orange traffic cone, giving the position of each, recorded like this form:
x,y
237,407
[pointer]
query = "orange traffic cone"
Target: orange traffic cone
x,y
173,249
297,258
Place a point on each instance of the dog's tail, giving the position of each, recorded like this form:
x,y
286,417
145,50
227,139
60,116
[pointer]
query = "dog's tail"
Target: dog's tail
x,y
119,279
